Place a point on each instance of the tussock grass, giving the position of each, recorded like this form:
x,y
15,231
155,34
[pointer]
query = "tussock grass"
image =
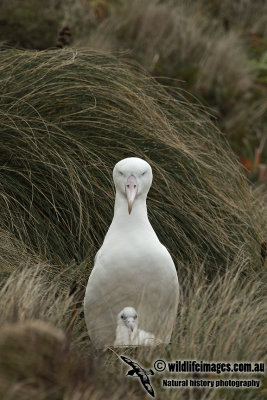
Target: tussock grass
x,y
26,24
36,25
10,248
68,116
212,317
259,194
37,362
222,320
241,14
213,47
186,44
29,294
216,48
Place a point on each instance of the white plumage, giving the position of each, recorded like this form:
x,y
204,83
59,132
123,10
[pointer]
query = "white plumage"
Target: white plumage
x,y
132,266
127,332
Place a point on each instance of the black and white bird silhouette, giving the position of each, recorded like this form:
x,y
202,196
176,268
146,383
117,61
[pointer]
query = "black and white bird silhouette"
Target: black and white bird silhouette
x,y
132,267
127,332
141,373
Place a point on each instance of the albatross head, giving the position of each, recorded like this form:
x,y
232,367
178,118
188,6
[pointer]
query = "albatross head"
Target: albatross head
x,y
132,178
128,317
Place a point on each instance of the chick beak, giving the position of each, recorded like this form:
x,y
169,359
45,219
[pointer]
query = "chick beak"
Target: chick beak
x,y
131,191
131,325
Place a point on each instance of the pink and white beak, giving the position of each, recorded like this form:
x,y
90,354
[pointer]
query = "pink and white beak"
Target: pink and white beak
x,y
131,191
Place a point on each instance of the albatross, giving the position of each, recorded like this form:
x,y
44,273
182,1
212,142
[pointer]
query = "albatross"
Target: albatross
x,y
127,332
132,266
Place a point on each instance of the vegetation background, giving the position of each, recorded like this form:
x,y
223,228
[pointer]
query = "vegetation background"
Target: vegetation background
x,y
84,83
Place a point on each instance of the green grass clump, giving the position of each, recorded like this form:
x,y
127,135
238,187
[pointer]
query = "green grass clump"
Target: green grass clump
x,y
68,116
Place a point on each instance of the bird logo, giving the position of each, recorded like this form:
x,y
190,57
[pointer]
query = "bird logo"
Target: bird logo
x,y
141,373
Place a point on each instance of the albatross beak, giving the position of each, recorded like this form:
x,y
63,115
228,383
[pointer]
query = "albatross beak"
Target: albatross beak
x,y
131,191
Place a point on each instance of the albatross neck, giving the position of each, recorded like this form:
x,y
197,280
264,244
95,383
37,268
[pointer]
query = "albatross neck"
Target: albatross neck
x,y
138,214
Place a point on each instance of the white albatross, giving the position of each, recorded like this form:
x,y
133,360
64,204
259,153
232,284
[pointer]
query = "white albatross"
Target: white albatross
x,y
127,332
132,266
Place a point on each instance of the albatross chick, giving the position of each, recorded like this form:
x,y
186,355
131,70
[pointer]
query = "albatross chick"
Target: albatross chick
x,y
127,332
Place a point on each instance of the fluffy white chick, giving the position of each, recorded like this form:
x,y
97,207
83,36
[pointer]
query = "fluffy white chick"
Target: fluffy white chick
x,y
127,332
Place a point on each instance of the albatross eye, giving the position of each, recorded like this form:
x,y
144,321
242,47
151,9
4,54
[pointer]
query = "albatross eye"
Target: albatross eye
x,y
143,173
121,173
135,316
